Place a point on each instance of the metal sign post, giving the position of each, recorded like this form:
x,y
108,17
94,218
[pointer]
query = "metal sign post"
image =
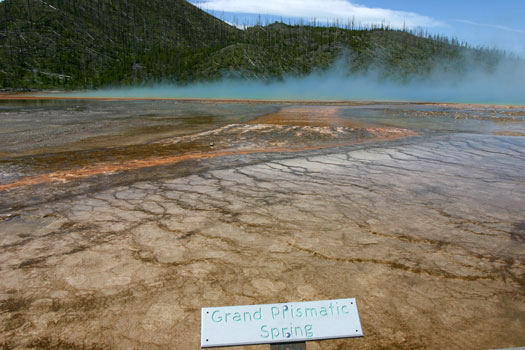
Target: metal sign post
x,y
289,346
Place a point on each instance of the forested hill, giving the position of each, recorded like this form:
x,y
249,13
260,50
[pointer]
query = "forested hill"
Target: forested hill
x,y
92,43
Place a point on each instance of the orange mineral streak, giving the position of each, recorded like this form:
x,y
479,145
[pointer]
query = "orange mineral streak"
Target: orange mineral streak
x,y
37,96
327,116
108,168
309,116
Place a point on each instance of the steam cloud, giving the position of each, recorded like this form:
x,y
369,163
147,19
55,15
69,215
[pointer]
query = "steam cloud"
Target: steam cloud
x,y
502,84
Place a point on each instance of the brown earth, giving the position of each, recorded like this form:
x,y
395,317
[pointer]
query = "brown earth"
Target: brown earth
x,y
426,232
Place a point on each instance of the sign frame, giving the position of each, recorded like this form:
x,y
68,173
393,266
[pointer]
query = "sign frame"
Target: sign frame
x,y
280,323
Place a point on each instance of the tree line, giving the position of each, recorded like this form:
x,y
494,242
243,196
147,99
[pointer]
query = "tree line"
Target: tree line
x,y
87,44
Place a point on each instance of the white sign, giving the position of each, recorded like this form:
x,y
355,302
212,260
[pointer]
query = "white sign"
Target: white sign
x,y
280,323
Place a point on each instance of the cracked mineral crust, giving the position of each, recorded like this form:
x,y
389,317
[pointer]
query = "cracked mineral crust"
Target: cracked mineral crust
x,y
424,226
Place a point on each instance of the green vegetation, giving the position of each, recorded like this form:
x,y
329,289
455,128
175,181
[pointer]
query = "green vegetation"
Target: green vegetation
x,y
72,44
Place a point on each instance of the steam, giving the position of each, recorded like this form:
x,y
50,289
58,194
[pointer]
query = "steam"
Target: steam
x,y
503,83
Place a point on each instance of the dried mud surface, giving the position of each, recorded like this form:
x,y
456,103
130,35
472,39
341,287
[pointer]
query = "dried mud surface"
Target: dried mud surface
x,y
425,227
288,130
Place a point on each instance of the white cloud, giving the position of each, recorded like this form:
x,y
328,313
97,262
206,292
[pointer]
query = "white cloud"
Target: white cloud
x,y
321,10
239,26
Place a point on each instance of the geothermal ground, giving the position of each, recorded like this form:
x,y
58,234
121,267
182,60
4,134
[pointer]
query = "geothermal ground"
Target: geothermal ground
x,y
119,220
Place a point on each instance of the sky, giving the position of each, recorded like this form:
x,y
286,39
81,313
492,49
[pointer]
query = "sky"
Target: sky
x,y
489,23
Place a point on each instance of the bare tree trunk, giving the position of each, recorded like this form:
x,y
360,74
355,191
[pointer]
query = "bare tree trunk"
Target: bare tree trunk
x,y
29,13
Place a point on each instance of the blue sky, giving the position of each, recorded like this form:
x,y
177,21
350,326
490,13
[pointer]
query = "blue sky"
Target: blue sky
x,y
493,23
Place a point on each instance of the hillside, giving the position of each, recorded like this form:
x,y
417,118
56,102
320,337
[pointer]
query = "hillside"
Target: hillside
x,y
92,43
95,42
